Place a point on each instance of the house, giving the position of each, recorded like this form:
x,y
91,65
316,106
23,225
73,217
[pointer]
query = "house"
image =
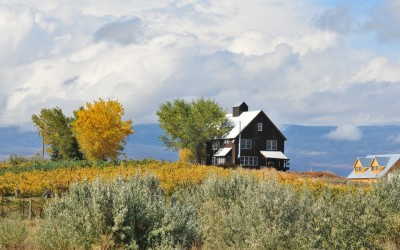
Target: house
x,y
373,167
254,141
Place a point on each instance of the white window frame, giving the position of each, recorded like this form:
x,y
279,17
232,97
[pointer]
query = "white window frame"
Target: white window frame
x,y
260,127
246,144
272,145
218,161
215,145
249,160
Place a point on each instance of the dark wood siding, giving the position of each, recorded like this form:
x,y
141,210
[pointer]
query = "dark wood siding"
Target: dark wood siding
x,y
259,141
259,138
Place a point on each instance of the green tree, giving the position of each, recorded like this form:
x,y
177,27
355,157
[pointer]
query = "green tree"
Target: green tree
x,y
55,129
191,124
100,131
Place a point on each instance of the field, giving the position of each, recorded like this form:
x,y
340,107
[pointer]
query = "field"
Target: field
x,y
171,205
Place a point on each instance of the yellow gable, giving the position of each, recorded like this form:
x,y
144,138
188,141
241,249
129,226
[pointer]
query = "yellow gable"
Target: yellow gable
x,y
357,164
374,163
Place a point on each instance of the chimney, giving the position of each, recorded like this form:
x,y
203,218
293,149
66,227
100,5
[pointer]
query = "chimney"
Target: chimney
x,y
239,109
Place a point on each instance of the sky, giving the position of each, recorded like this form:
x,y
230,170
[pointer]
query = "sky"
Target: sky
x,y
309,62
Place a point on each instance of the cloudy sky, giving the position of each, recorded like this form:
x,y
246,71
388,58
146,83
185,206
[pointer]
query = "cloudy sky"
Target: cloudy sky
x,y
304,62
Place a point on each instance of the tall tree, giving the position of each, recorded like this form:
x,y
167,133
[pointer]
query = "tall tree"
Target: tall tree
x,y
55,129
191,124
100,131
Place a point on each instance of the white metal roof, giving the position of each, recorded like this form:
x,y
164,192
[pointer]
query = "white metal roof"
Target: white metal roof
x,y
222,152
393,158
240,123
274,155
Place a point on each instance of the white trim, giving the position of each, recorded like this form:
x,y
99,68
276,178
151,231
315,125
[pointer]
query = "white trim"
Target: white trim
x,y
247,143
249,160
259,126
271,145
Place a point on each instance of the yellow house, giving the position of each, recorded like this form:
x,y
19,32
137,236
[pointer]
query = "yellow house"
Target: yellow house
x,y
373,167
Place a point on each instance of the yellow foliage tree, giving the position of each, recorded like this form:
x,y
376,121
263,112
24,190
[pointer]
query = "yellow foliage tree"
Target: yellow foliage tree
x,y
100,131
185,155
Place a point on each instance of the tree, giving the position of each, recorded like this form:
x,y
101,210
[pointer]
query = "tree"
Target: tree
x,y
191,125
185,155
100,131
55,129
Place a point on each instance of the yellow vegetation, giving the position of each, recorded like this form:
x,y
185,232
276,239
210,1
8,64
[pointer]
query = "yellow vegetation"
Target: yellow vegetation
x,y
100,130
185,155
171,175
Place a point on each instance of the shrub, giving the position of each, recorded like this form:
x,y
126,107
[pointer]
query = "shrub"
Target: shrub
x,y
243,212
13,232
125,213
240,211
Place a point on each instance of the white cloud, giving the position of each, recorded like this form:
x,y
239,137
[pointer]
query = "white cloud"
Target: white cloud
x,y
312,153
123,32
270,61
379,69
257,43
346,132
270,54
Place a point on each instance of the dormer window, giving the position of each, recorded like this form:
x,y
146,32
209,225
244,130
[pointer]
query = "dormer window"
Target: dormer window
x,y
358,169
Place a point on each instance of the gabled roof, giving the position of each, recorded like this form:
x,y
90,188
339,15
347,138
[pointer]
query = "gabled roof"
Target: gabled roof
x,y
389,159
365,162
382,161
242,121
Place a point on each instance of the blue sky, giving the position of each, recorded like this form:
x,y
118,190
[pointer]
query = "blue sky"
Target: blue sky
x,y
302,62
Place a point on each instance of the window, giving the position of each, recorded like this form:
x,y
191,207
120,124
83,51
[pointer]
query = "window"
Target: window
x,y
218,160
272,145
259,126
245,144
249,160
215,145
227,142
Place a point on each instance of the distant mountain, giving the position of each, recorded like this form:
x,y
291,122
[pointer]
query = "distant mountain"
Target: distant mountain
x,y
143,143
308,147
16,141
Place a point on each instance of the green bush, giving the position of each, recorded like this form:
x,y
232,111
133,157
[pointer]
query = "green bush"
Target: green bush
x,y
242,212
238,212
126,213
13,232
